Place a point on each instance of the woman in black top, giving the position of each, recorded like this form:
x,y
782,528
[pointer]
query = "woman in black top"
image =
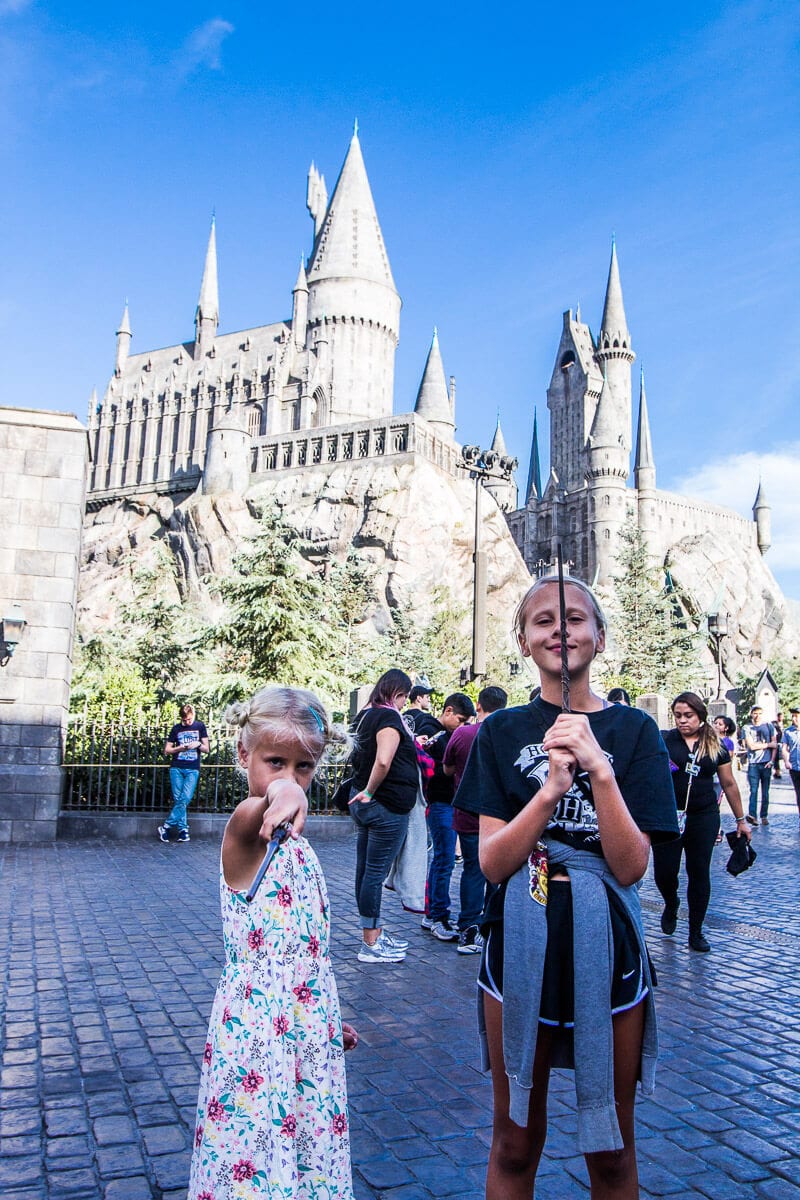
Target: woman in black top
x,y
697,759
386,778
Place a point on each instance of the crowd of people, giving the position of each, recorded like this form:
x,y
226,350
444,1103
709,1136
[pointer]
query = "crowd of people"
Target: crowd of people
x,y
553,811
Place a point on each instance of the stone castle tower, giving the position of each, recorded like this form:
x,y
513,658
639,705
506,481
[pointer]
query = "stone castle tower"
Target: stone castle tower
x,y
301,393
586,498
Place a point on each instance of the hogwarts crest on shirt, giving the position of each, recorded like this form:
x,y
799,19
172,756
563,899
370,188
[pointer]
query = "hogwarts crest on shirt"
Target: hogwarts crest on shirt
x,y
575,812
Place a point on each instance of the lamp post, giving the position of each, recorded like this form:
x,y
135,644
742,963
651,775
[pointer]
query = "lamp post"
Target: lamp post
x,y
482,465
717,630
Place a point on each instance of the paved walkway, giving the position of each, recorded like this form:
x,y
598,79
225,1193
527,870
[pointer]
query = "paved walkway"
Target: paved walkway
x,y
109,955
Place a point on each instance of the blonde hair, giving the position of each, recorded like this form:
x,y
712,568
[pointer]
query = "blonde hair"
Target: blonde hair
x,y
569,581
286,714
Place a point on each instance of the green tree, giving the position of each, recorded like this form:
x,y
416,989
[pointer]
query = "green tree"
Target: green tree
x,y
656,645
278,626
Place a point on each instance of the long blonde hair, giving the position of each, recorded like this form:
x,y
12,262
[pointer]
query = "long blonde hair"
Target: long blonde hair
x,y
286,714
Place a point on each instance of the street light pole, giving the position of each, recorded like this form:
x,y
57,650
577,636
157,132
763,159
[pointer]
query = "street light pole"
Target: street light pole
x,y
482,465
717,630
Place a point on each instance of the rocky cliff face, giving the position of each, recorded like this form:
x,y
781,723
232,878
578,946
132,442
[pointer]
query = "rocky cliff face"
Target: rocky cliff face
x,y
413,522
716,575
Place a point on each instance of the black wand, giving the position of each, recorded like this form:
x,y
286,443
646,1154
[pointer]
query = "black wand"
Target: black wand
x,y
562,612
278,838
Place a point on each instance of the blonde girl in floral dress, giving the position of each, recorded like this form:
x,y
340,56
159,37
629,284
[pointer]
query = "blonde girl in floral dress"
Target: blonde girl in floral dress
x,y
272,1110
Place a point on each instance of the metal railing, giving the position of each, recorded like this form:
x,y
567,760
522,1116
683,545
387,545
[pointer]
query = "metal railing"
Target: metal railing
x,y
118,765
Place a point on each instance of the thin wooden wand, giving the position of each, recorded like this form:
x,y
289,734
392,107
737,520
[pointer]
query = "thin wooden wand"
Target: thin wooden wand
x,y
562,612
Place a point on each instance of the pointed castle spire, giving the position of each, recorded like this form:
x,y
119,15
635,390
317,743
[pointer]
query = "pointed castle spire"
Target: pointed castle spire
x,y
498,441
644,448
534,471
433,402
300,306
350,243
206,318
614,337
604,431
762,515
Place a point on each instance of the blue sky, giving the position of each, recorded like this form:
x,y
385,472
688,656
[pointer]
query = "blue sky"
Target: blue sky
x,y
504,146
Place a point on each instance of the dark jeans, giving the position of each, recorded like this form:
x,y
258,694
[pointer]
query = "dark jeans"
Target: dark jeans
x,y
697,844
440,827
380,836
473,883
759,775
795,778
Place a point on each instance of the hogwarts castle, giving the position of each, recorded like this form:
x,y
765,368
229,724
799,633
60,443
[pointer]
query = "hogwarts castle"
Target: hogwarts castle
x,y
299,413
586,498
318,389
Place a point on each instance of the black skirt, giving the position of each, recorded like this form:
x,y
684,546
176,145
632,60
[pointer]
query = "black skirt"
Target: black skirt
x,y
556,1004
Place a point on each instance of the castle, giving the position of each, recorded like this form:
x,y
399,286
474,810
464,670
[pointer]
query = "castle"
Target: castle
x,y
586,498
224,411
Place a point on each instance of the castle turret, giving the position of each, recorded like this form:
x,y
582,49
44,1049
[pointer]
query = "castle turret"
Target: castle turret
x,y
206,317
644,473
503,490
300,308
534,491
762,515
123,342
606,472
615,356
350,287
433,401
227,461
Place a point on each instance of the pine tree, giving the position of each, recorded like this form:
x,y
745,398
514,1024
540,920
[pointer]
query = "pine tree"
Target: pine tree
x,y
656,646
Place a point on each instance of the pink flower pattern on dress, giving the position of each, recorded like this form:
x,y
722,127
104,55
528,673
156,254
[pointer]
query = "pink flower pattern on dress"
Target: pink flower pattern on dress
x,y
274,1122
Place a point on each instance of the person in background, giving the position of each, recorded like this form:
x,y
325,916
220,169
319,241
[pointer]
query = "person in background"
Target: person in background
x,y
185,744
458,709
618,695
466,825
418,716
777,757
726,731
696,757
790,748
759,738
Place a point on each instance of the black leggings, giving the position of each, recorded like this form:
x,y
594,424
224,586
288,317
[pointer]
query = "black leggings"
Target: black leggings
x,y
697,844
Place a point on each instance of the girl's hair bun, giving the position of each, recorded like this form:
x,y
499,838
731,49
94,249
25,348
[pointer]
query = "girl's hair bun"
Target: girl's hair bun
x,y
238,713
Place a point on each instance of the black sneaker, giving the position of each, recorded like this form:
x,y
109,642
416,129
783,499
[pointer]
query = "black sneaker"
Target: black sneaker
x,y
163,833
470,941
183,836
698,942
669,919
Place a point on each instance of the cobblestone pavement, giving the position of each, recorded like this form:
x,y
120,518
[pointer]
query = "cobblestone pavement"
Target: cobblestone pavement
x,y
110,953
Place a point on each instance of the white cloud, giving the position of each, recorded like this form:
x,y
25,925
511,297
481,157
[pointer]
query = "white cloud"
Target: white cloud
x,y
733,482
203,45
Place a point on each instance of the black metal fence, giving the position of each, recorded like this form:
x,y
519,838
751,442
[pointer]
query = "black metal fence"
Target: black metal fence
x,y
118,765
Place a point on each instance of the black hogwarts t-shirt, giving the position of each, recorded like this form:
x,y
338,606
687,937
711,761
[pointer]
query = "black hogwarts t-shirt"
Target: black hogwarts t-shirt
x,y
508,765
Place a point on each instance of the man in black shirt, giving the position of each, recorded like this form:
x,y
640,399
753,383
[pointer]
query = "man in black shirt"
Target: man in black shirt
x,y
418,716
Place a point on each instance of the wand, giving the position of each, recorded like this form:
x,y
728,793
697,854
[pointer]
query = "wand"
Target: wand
x,y
279,836
562,612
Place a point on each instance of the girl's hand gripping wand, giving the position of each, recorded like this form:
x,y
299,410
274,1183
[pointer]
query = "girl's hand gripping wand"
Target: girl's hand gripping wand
x,y
562,612
278,838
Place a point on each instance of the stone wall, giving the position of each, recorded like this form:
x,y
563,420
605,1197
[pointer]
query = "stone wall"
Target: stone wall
x,y
43,459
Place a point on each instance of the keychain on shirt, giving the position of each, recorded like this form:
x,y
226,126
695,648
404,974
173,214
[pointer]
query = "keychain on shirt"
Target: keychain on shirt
x,y
692,769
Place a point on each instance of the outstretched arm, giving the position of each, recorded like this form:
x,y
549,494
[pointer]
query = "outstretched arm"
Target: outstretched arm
x,y
252,825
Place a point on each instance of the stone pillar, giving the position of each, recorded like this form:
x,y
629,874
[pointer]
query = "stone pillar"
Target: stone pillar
x,y
658,707
358,698
42,498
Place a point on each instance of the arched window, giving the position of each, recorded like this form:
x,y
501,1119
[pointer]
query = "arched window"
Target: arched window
x,y
320,407
254,421
567,360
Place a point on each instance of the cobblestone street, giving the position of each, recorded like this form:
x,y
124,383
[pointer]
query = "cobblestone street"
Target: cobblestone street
x,y
110,953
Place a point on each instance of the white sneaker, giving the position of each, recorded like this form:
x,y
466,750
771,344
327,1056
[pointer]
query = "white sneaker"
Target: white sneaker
x,y
395,942
380,951
444,931
426,923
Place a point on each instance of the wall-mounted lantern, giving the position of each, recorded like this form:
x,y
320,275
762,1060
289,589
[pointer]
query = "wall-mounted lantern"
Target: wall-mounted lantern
x,y
11,627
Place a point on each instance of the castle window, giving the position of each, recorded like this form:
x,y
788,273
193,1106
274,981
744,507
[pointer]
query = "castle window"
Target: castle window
x,y
607,534
254,421
567,360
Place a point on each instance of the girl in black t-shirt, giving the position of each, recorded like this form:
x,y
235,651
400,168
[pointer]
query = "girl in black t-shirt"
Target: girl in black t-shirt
x,y
386,778
697,760
566,798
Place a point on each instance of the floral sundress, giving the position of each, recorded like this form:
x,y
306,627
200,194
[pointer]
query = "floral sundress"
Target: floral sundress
x,y
272,1110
